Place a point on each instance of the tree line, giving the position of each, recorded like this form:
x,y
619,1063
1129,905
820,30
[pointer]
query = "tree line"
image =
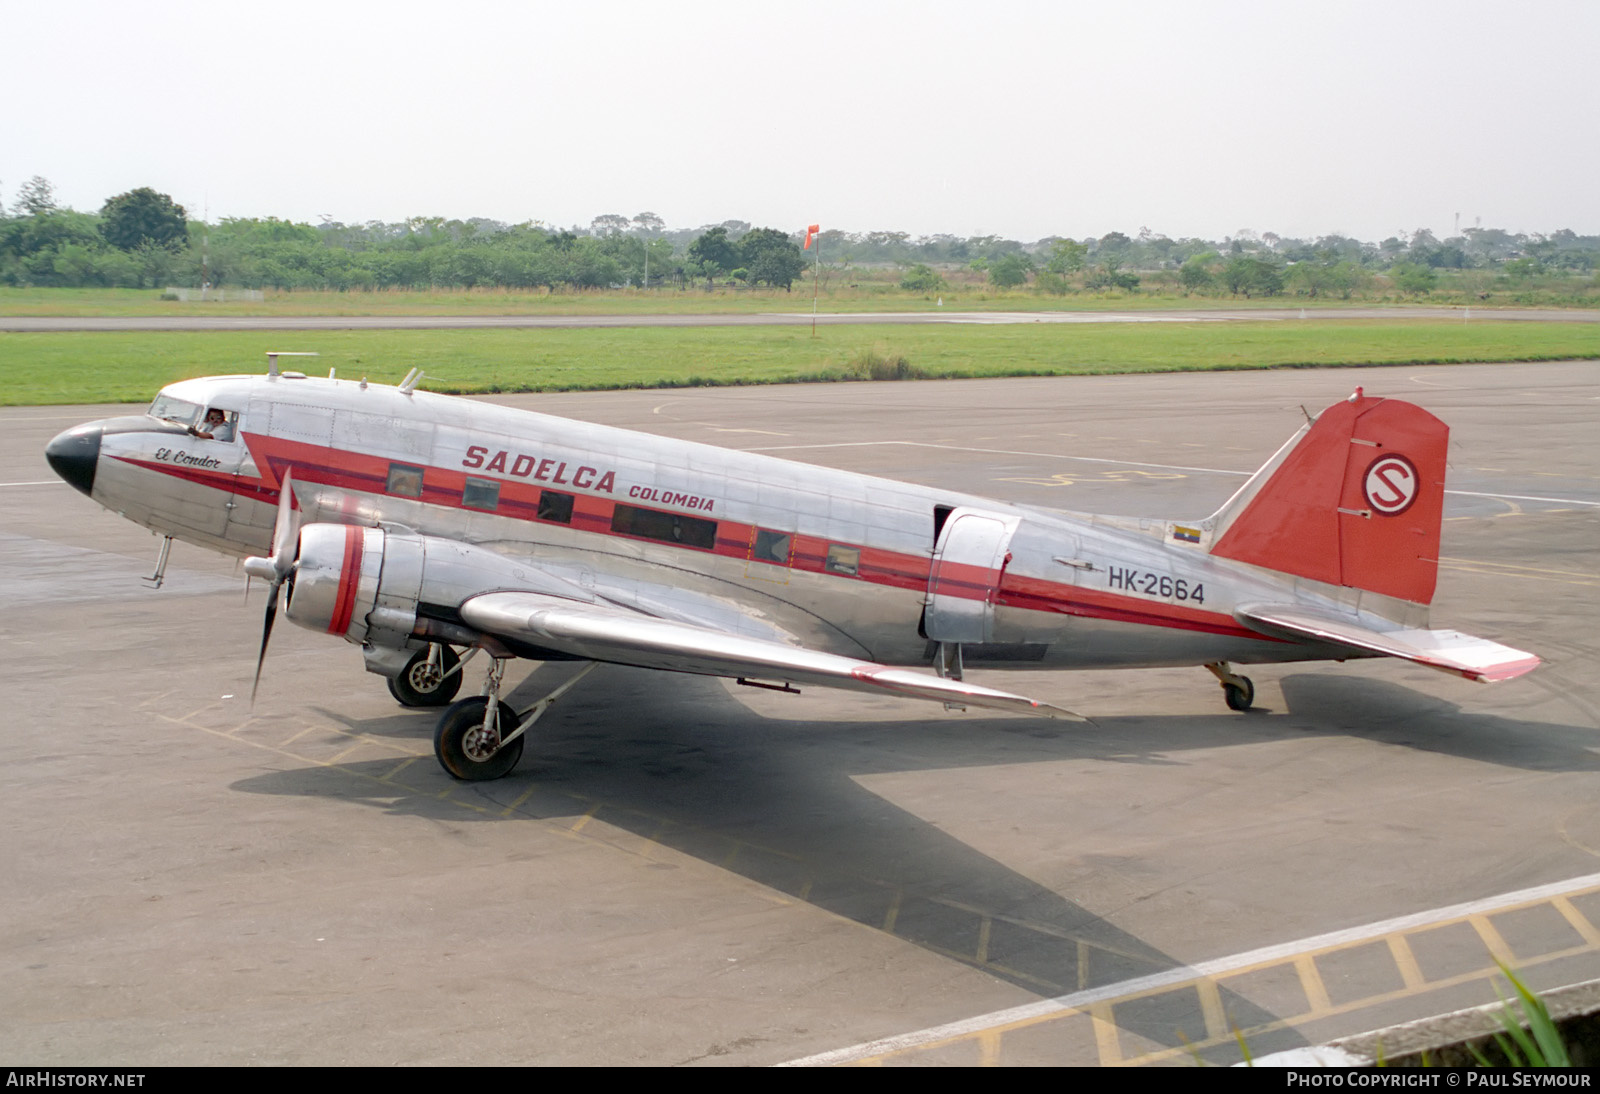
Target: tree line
x,y
144,239
1250,265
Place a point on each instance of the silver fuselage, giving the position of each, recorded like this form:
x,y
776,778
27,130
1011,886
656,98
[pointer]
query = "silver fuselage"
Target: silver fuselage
x,y
836,561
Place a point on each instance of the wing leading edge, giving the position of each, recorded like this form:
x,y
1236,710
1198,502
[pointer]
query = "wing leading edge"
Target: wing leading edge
x,y
1449,651
626,637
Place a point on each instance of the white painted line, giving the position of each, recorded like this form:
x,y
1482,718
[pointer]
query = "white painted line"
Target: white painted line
x,y
1218,967
1522,497
41,482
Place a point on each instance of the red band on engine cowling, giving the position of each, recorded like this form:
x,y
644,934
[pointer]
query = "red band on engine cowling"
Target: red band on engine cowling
x,y
349,579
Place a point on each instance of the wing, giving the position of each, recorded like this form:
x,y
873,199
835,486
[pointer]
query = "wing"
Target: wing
x,y
600,632
1448,651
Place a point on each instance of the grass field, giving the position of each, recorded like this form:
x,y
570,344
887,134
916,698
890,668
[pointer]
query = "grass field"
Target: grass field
x,y
692,301
129,367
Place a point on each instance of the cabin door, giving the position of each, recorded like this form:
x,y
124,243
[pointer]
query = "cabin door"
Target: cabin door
x,y
964,581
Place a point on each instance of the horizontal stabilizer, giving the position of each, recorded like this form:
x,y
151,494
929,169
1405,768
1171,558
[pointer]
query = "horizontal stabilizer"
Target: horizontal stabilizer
x,y
1448,651
626,637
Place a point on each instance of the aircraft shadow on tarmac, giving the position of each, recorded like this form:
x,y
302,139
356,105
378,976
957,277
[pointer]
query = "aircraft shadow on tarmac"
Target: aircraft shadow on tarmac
x,y
778,803
1379,710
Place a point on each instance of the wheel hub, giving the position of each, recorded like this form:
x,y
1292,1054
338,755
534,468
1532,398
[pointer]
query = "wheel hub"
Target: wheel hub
x,y
425,677
480,745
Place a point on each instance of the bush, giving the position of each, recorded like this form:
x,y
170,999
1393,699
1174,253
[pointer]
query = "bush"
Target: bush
x,y
1009,271
921,278
872,365
1413,278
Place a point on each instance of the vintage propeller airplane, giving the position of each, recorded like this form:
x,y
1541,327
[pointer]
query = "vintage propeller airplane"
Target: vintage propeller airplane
x,y
415,525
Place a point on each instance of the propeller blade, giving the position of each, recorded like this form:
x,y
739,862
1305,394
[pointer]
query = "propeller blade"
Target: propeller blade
x,y
266,635
286,529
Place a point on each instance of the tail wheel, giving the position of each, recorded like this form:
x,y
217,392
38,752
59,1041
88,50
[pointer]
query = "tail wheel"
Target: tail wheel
x,y
1240,698
470,753
423,684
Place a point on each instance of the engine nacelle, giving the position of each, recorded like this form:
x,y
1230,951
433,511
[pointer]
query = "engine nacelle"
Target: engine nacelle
x,y
337,576
365,584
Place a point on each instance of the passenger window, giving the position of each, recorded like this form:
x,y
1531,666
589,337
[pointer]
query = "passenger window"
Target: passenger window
x,y
630,520
405,480
481,494
771,546
555,506
843,560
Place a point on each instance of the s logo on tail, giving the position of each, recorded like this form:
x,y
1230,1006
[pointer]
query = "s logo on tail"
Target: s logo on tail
x,y
1391,485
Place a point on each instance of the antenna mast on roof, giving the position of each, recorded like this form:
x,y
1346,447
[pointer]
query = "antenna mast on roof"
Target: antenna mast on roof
x,y
274,354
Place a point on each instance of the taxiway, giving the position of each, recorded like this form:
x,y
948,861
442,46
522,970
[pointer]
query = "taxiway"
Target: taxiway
x,y
682,871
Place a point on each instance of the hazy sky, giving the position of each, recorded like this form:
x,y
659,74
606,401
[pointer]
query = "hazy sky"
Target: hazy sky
x,y
1022,119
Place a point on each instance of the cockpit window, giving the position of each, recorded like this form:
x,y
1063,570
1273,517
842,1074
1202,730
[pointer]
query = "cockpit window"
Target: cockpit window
x,y
174,410
218,425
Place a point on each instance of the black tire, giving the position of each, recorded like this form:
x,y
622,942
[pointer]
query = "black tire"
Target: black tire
x,y
457,741
1240,698
421,685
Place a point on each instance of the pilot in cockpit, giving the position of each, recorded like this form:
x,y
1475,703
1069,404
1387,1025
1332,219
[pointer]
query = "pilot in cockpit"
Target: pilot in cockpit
x,y
216,427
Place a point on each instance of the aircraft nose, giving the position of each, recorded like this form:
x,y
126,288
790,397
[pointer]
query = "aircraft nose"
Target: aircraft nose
x,y
73,455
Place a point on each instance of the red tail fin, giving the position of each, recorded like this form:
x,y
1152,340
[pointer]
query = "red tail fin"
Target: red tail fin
x,y
1356,502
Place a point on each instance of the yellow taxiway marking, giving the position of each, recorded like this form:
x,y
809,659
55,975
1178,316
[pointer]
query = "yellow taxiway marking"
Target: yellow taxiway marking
x,y
521,800
1405,961
1105,1032
291,739
1493,941
1216,1015
1311,983
892,914
1579,922
401,766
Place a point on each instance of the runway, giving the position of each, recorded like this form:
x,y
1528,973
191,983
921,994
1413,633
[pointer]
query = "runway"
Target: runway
x,y
796,318
683,872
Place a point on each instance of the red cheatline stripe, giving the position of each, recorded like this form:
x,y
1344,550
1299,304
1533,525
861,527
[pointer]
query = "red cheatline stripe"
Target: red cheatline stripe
x,y
349,579
1034,594
217,480
314,464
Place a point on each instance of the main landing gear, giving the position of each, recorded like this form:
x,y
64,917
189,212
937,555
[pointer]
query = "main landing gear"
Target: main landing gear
x,y
480,738
1239,692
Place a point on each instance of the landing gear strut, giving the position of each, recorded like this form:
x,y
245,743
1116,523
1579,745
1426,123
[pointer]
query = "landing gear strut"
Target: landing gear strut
x,y
1239,692
479,739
